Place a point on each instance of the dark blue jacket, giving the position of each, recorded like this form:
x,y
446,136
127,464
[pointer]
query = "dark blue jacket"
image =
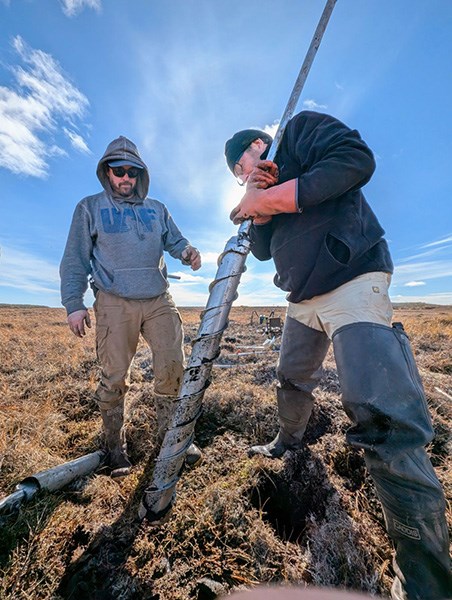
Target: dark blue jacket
x,y
336,236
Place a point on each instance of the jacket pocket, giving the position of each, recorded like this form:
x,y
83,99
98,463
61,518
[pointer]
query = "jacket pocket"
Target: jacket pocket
x,y
354,233
338,249
347,244
335,254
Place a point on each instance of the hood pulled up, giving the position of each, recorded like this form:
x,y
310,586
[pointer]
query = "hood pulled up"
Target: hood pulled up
x,y
123,149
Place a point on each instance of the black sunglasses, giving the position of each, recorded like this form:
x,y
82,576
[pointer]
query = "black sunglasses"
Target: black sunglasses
x,y
132,173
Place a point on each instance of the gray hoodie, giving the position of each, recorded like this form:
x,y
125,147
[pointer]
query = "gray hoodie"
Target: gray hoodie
x,y
118,243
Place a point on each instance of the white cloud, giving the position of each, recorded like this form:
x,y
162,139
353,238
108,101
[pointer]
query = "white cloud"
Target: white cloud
x,y
189,278
27,272
447,240
32,275
313,105
175,103
435,248
260,294
71,8
210,258
420,274
33,109
77,141
420,271
271,297
197,157
426,254
256,287
272,129
186,297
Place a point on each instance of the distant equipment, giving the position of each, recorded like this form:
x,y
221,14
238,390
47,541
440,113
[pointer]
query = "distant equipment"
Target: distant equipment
x,y
272,325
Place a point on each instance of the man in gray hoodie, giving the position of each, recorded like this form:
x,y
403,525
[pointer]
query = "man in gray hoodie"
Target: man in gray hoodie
x,y
116,242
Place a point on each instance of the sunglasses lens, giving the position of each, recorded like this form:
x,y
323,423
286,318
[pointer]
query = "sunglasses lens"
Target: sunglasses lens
x,y
120,172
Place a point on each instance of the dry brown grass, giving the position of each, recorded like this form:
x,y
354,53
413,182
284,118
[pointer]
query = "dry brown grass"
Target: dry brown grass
x,y
312,517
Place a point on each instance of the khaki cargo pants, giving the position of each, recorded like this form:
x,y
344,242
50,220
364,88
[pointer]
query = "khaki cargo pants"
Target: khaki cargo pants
x,y
119,323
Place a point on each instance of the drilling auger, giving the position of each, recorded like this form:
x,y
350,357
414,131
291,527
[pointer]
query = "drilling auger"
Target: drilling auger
x,y
159,496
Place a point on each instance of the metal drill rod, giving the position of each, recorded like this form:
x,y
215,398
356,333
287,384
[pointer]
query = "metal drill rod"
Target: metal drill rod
x,y
302,75
159,496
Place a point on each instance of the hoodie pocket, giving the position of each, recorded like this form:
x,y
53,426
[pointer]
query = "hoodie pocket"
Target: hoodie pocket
x,y
139,283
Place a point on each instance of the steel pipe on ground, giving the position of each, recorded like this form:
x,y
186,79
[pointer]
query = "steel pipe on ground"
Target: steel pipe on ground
x,y
50,480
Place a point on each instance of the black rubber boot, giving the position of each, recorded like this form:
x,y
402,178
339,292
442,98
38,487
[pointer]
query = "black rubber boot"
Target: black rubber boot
x,y
382,394
299,371
117,459
294,410
414,517
274,449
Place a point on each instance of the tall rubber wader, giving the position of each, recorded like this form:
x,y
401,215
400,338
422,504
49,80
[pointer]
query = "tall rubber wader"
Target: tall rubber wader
x,y
383,395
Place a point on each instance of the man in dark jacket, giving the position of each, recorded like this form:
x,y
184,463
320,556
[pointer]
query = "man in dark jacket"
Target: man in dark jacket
x,y
117,239
310,215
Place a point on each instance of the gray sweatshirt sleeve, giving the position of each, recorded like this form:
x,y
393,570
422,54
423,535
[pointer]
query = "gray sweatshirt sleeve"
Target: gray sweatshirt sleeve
x,y
173,240
75,265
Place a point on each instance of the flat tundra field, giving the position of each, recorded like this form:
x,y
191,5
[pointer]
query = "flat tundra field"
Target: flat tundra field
x,y
311,518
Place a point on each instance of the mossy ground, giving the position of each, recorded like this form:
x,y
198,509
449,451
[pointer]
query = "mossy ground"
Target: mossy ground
x,y
310,518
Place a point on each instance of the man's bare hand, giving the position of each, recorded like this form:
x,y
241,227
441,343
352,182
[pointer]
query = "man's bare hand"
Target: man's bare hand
x,y
191,256
252,206
237,216
77,320
264,175
260,204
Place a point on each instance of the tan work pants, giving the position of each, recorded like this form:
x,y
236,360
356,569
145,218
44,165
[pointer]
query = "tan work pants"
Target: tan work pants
x,y
119,323
364,298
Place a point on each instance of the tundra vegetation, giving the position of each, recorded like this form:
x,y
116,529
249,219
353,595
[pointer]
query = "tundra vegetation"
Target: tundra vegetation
x,y
311,518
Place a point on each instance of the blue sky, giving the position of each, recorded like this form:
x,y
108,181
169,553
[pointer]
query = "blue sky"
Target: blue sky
x,y
179,77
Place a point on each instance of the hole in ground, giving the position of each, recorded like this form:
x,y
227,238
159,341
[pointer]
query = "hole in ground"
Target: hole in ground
x,y
318,425
349,464
288,499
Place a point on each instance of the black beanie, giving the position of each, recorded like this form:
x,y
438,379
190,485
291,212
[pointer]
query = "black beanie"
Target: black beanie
x,y
239,142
